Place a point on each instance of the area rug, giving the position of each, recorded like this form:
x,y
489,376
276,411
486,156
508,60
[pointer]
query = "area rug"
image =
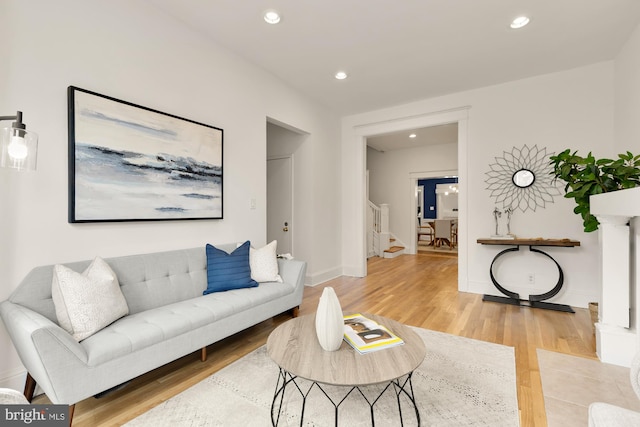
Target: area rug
x,y
462,382
424,248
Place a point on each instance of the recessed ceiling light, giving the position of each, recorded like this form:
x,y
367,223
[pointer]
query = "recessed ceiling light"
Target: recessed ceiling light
x,y
519,22
341,75
271,17
413,135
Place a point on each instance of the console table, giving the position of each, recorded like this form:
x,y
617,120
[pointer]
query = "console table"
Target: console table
x,y
536,301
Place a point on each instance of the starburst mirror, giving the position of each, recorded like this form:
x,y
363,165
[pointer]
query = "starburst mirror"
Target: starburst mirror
x,y
522,179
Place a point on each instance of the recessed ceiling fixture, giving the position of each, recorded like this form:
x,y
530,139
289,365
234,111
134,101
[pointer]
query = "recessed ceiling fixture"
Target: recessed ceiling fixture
x,y
271,17
413,135
519,22
341,75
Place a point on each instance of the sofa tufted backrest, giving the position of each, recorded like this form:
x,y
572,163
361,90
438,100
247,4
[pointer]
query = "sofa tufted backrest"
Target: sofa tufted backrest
x,y
147,280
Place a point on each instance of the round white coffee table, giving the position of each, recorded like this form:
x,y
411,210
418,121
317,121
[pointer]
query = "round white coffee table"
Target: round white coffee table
x,y
294,347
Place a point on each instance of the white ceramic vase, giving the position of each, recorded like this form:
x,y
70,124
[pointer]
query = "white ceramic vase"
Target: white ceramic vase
x,y
329,320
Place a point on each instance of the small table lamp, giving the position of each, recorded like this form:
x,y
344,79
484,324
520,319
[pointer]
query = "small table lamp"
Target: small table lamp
x,y
18,148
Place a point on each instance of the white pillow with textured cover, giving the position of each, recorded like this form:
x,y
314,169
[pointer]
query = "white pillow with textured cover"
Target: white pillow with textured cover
x,y
264,263
87,302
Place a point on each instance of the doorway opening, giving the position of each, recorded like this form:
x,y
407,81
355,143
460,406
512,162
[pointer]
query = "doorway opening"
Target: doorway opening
x,y
360,134
438,196
393,157
282,143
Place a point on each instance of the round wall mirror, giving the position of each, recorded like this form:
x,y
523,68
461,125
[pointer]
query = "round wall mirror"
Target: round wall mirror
x,y
523,178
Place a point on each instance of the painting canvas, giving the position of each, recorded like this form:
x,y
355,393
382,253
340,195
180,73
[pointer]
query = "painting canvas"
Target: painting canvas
x,y
132,163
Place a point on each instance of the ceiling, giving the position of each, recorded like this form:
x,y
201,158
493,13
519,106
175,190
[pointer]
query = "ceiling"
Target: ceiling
x,y
402,51
434,135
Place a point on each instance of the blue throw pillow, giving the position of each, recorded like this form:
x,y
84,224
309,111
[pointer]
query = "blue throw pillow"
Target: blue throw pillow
x,y
228,271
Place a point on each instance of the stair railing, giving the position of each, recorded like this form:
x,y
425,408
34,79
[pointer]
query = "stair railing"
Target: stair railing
x,y
377,226
375,217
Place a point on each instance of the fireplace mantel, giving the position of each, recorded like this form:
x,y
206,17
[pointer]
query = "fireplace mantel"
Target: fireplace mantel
x,y
624,203
617,338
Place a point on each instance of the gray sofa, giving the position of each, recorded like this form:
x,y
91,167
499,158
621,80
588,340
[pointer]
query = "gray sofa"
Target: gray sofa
x,y
607,415
168,318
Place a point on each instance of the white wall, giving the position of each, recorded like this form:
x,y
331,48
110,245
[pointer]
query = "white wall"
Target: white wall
x,y
131,51
571,109
627,96
390,174
627,138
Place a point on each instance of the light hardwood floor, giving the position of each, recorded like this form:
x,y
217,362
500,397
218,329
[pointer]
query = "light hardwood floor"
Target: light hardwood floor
x,y
418,290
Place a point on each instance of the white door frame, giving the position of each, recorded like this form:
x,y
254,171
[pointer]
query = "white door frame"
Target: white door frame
x,y
362,132
419,201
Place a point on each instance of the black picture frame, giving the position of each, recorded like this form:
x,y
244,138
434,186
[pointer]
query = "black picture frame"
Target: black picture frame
x,y
127,162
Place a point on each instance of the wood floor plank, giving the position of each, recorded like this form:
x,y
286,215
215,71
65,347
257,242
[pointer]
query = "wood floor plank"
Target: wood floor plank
x,y
418,290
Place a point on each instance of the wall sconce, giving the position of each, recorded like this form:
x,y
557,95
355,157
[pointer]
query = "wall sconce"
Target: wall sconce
x,y
18,148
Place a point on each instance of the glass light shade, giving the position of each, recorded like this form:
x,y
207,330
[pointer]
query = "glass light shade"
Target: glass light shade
x,y
18,149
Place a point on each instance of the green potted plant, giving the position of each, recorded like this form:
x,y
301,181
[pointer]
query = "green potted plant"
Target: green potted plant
x,y
586,176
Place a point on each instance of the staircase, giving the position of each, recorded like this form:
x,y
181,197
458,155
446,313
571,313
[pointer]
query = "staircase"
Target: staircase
x,y
380,242
393,251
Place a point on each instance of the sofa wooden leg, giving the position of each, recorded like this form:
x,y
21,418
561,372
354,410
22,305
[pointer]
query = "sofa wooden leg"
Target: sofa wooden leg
x,y
295,311
71,409
29,387
203,354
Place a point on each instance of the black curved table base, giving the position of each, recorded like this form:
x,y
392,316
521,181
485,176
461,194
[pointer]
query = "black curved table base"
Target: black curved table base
x,y
535,301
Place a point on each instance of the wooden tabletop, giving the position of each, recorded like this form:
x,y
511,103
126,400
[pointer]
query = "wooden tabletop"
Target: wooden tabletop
x,y
530,242
295,348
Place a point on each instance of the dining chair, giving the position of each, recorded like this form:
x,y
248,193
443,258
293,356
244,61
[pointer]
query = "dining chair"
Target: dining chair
x,y
443,232
425,230
454,233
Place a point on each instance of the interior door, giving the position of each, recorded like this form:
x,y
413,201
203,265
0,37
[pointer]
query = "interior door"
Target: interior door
x,y
279,203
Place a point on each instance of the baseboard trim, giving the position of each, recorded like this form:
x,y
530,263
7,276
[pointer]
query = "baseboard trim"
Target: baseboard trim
x,y
323,276
14,380
352,271
615,345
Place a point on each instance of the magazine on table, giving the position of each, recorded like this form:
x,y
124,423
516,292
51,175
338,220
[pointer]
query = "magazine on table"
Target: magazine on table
x,y
366,335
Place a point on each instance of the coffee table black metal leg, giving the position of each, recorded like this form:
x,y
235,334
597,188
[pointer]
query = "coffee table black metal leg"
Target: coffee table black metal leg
x,y
399,404
402,388
406,388
279,391
413,399
372,404
287,379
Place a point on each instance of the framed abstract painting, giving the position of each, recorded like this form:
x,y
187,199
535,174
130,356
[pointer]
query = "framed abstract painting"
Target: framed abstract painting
x,y
132,163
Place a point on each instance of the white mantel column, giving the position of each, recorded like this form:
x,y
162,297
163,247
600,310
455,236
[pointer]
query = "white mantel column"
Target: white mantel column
x,y
615,338
614,256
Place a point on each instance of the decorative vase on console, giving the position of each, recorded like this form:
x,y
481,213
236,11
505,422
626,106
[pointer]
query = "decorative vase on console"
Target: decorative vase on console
x,y
496,214
329,320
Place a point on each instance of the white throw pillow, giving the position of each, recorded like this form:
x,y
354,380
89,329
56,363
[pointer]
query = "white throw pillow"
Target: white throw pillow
x,y
264,263
87,302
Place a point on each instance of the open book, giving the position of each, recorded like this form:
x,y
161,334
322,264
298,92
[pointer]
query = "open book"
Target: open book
x,y
366,335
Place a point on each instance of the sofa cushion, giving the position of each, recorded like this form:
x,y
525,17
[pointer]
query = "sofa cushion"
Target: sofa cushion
x,y
226,271
87,302
264,263
138,331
